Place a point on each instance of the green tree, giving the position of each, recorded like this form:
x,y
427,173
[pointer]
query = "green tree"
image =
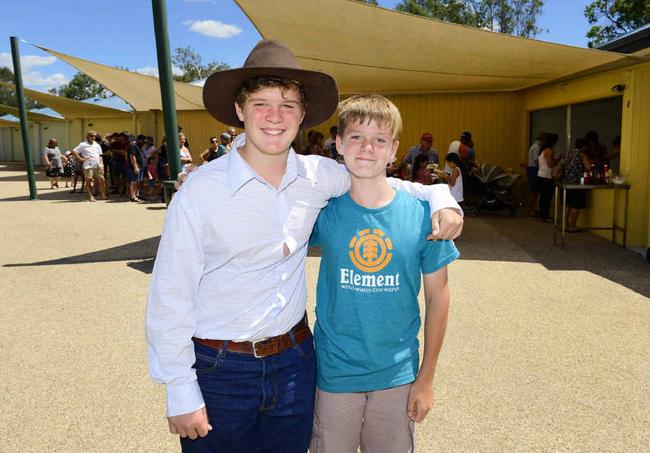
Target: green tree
x,y
614,18
81,87
8,95
515,17
191,65
370,2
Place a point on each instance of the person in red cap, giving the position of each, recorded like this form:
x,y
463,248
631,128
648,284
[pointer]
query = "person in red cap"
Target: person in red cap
x,y
425,147
225,321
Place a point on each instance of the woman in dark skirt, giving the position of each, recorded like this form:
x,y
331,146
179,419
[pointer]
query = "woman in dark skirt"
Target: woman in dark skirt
x,y
575,163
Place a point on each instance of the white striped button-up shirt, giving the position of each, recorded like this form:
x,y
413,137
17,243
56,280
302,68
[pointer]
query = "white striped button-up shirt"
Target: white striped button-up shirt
x,y
221,272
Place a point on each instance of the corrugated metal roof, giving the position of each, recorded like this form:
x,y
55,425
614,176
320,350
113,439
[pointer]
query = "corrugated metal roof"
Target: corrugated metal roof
x,y
47,111
114,102
32,115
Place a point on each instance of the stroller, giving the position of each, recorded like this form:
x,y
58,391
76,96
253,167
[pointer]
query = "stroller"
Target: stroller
x,y
491,188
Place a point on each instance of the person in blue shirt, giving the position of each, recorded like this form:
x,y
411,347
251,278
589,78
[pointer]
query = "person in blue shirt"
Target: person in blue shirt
x,y
370,387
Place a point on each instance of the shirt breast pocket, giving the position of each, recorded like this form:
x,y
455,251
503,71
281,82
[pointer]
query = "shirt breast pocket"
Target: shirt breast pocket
x,y
303,209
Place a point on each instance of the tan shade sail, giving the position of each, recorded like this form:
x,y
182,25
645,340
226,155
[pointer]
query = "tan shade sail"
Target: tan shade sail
x,y
71,108
31,116
139,90
368,48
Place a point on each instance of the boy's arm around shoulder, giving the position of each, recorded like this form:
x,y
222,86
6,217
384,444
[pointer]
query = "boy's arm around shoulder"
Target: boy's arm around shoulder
x,y
446,217
333,178
446,214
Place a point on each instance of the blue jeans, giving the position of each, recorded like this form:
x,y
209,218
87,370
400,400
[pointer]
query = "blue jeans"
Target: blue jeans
x,y
256,405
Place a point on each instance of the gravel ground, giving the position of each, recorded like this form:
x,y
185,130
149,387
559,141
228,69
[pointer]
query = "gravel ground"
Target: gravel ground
x,y
546,350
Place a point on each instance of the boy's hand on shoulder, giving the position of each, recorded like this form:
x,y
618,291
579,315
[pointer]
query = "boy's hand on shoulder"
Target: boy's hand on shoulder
x,y
446,223
182,176
420,400
190,425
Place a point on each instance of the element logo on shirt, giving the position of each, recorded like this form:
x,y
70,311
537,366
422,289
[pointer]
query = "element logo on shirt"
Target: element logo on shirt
x,y
370,252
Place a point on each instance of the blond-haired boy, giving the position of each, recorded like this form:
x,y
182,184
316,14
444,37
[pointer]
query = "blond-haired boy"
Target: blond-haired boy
x,y
375,249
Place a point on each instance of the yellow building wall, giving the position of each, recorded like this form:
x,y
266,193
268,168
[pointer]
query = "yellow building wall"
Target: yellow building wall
x,y
496,121
637,163
635,141
198,126
105,126
54,130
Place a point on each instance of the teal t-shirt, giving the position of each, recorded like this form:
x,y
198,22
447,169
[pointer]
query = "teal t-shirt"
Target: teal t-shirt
x,y
367,312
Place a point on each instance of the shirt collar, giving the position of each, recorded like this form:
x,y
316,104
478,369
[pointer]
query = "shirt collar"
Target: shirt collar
x,y
240,173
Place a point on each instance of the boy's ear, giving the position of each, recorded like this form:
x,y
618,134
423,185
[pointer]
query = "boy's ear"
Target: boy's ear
x,y
239,112
393,155
339,145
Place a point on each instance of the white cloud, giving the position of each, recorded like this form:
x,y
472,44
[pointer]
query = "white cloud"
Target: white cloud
x,y
36,79
153,70
27,62
212,28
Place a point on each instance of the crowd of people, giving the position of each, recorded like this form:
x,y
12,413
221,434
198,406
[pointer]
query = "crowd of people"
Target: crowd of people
x,y
586,162
122,165
420,164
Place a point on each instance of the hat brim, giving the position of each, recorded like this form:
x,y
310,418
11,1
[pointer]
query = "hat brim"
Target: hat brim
x,y
321,92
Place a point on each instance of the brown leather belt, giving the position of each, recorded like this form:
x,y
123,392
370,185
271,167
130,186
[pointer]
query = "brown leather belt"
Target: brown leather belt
x,y
263,348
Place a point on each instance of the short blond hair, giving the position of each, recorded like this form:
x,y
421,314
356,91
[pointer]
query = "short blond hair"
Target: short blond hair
x,y
364,108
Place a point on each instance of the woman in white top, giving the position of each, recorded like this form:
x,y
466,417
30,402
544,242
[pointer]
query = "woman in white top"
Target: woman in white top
x,y
186,157
455,180
547,161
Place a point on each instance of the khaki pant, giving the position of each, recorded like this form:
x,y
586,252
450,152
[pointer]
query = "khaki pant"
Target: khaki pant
x,y
375,421
94,173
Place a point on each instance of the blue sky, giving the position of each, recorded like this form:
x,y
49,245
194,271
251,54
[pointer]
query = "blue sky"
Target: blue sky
x,y
120,32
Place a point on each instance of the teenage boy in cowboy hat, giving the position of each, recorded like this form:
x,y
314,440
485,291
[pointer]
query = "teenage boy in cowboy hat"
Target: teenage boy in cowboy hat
x,y
226,320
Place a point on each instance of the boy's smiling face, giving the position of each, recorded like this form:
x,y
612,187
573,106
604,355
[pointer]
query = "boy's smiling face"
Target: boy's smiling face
x,y
367,148
271,117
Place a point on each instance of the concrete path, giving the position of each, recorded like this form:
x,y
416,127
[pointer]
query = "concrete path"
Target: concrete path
x,y
547,350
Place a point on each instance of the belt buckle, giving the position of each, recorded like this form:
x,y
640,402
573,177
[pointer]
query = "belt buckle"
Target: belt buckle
x,y
255,354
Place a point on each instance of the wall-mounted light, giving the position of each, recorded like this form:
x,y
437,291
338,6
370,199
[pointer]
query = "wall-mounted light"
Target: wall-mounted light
x,y
618,88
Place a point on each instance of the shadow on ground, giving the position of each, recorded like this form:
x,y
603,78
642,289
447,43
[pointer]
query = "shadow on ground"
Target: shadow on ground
x,y
139,255
63,195
528,240
487,238
22,178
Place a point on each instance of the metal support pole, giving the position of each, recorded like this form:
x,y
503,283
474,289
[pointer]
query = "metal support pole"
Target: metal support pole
x,y
166,86
24,128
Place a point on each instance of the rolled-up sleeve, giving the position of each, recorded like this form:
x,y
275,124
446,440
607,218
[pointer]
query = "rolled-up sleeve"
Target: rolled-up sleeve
x,y
438,195
170,316
334,177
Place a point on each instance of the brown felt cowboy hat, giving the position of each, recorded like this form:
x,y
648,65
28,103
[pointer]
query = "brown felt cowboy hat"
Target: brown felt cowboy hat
x,y
270,58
